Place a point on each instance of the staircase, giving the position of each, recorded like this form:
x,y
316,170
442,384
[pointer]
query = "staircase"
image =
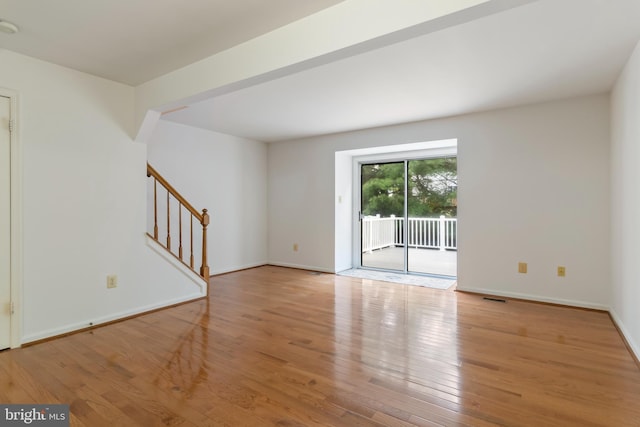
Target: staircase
x,y
180,238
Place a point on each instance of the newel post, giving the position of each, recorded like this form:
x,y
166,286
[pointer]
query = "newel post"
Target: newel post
x,y
204,270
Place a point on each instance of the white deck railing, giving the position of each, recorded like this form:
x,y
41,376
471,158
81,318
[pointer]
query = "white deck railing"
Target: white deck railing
x,y
432,233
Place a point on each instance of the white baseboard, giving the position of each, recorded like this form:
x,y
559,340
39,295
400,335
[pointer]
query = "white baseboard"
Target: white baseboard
x,y
106,319
216,272
538,298
302,267
635,348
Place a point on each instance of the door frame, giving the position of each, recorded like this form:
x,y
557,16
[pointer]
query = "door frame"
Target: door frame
x,y
16,262
448,150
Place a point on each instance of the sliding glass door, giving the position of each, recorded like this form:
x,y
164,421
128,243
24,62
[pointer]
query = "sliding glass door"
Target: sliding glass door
x,y
382,214
408,215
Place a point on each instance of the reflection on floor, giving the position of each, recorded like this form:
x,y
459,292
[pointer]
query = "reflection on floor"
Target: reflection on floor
x,y
428,261
406,279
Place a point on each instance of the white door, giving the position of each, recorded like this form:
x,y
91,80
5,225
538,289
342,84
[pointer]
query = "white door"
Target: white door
x,y
5,224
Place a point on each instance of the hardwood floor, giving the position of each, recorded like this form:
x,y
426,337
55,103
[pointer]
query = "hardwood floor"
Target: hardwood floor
x,y
276,346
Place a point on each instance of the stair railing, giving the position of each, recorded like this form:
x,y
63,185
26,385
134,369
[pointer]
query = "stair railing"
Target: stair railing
x,y
202,218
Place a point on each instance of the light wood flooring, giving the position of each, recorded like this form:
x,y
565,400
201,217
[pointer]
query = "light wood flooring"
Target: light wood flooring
x,y
284,347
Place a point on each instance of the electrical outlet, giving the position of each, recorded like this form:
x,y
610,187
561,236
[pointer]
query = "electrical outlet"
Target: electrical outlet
x,y
522,267
295,247
561,271
112,281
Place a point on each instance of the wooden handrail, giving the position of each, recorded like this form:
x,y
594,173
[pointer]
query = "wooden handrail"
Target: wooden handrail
x,y
203,218
151,172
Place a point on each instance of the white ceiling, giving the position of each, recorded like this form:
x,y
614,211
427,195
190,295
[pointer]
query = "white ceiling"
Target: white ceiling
x,y
133,41
549,49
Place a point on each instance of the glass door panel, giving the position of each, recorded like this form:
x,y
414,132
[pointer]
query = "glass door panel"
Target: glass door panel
x,y
432,216
382,189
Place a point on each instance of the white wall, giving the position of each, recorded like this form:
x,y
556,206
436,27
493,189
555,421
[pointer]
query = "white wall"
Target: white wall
x,y
301,189
534,185
226,175
343,197
83,202
625,199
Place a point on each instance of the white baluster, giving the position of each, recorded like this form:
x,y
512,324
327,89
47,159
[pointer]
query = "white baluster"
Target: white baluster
x,y
442,233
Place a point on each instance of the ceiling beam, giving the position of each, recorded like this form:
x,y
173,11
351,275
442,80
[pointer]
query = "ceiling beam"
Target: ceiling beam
x,y
346,29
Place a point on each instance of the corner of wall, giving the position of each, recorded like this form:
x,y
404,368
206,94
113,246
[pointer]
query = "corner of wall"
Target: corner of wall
x,y
633,346
625,202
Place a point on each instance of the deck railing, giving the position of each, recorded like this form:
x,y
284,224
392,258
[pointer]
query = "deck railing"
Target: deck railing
x,y
429,233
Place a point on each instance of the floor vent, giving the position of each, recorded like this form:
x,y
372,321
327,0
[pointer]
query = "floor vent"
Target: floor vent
x,y
494,299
